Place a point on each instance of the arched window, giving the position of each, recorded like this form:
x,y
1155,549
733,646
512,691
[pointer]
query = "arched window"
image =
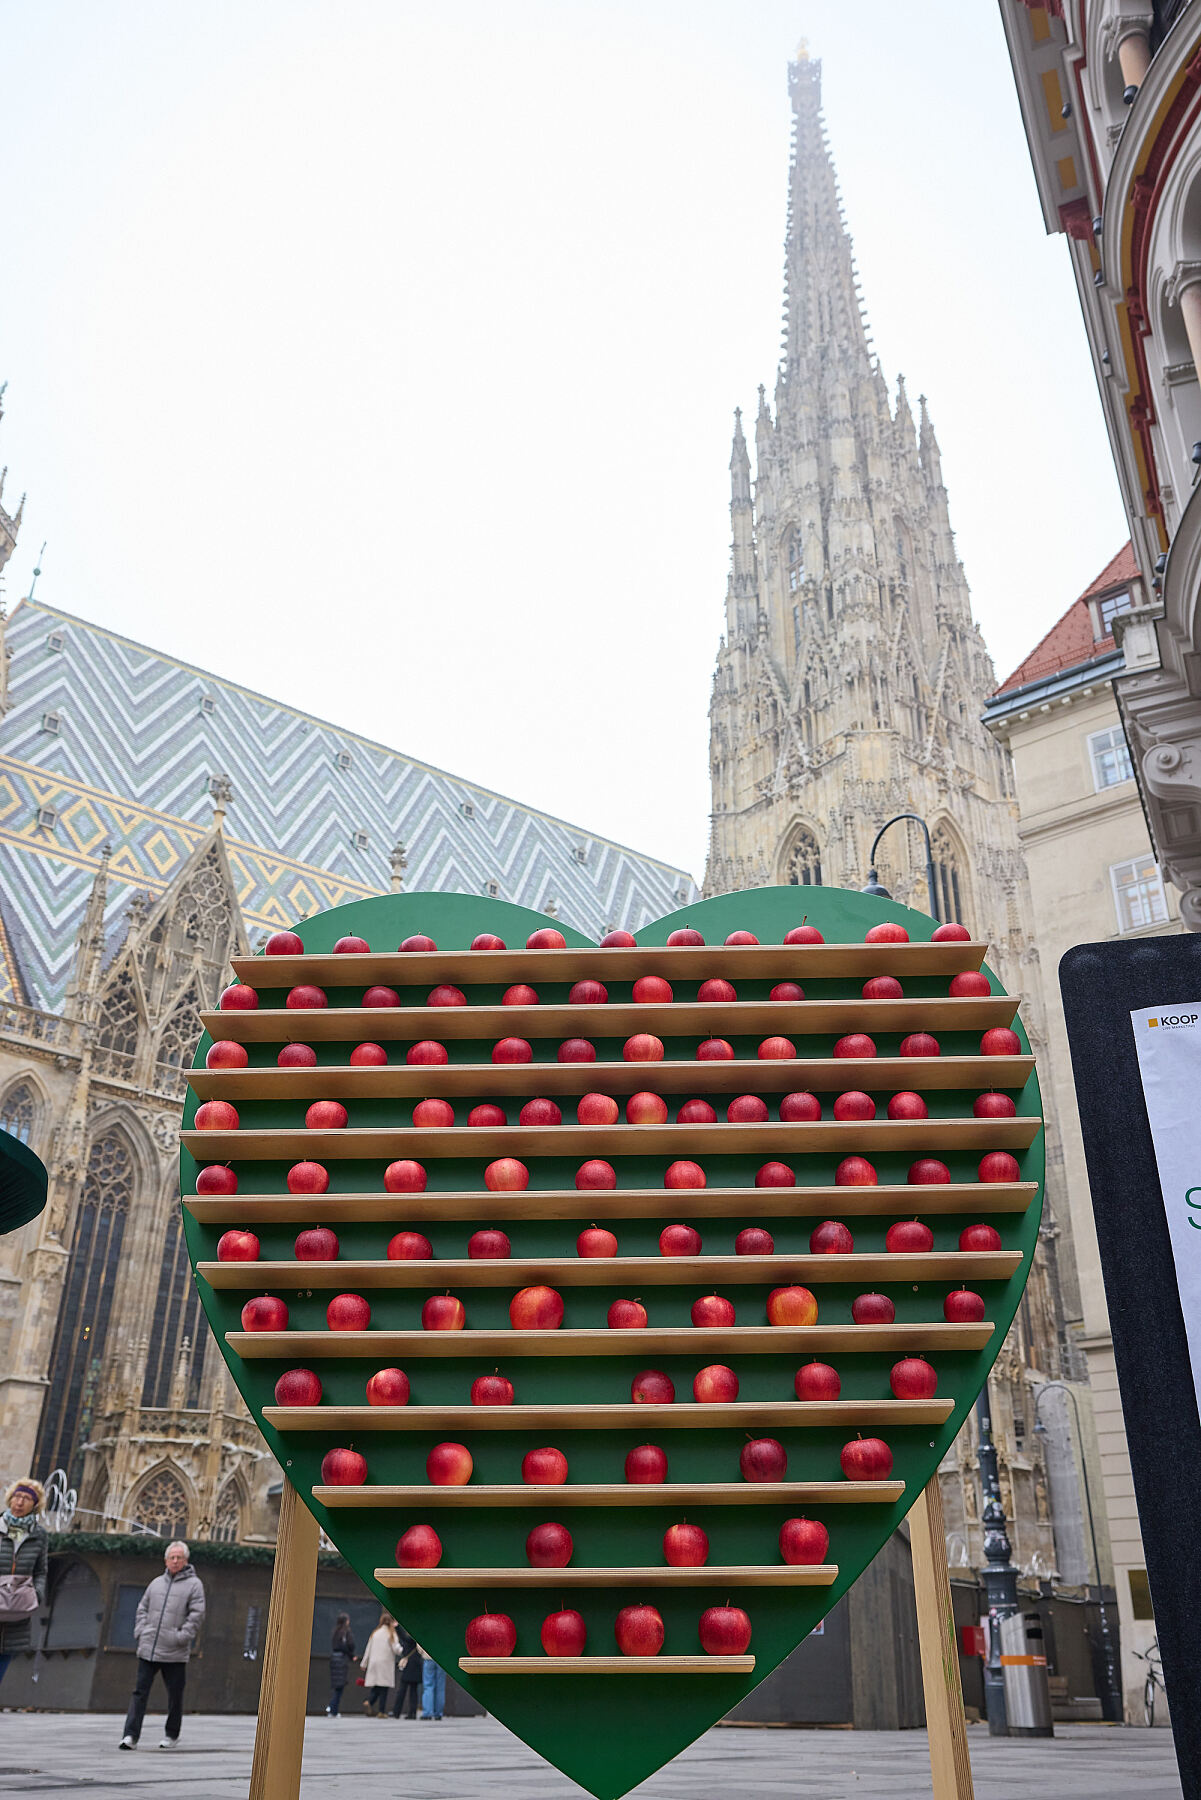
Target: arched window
x,y
162,1505
950,878
796,561
178,1039
804,865
86,1306
227,1519
117,1029
176,1317
18,1110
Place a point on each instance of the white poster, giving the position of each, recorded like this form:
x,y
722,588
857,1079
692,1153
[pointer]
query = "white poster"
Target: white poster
x,y
1168,1040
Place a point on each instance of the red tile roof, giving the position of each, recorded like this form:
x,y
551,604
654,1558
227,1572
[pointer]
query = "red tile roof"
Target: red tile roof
x,y
1071,641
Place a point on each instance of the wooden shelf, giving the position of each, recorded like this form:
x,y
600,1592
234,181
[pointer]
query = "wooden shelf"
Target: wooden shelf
x,y
703,1272
685,1340
976,1197
851,1137
686,962
606,1665
734,1575
616,1493
680,1415
619,1019
875,1075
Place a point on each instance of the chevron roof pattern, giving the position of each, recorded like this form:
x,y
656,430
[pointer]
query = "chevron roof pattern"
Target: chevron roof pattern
x,y
106,740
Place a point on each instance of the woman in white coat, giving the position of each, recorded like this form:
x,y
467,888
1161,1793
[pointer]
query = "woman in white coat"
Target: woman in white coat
x,y
378,1663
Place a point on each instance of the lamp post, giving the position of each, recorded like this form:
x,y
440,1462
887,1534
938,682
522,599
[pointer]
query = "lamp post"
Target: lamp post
x,y
1000,1576
1111,1701
873,880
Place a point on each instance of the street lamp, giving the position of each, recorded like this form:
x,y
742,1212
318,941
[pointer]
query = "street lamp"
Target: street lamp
x,y
874,885
1000,1576
1113,1699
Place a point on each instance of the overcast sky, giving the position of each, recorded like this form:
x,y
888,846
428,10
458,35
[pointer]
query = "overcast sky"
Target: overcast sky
x,y
382,356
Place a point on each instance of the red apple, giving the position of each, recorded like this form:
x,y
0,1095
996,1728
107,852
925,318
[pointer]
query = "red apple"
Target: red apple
x,y
804,1541
225,1054
927,1171
326,1115
596,1173
449,1465
652,990
715,1050
352,946
831,1238
546,938
308,1178
643,1047
409,1246
597,1109
343,1468
713,1310
866,1459
380,995
639,1630
216,1115
856,1043
791,1306
651,1387
998,1165
817,1381
506,1176
787,990
951,933
646,1465
217,1178
492,1390
368,1056
520,994
777,1049
512,1050
908,1236
979,1237
742,937
283,943
596,1241
549,1546
962,1307
716,1385
679,1240
970,984
564,1633
433,1114
491,1634
298,1387
265,1312
752,1240
238,1246
684,934
724,1631
873,1309
238,998
618,940
855,1171
307,996
854,1105
716,989
696,1112
388,1387
763,1459
627,1315
427,1051
348,1312
536,1309
993,1106
404,1177
588,993
684,1174
577,1050
888,932
804,934
907,1105
1000,1041
417,942
920,1043
747,1109
800,1109
487,940
913,1378
489,1245
774,1175
685,1546
443,1312
486,1115
544,1467
646,1109
419,1547
883,987
317,1244
445,994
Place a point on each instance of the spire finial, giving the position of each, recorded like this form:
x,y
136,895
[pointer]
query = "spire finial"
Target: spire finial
x,y
38,565
398,862
221,792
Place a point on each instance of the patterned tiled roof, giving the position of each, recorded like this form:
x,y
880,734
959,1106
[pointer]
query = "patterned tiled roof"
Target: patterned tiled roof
x,y
314,815
1071,640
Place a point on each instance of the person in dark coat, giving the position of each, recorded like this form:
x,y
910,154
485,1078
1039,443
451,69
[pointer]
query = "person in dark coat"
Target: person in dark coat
x,y
24,1551
169,1616
341,1650
409,1665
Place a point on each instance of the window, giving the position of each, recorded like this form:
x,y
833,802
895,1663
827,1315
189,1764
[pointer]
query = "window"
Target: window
x,y
162,1506
54,641
52,722
207,703
467,809
804,865
344,759
581,853
17,1111
492,889
1110,757
176,1321
47,818
1107,609
947,881
796,562
227,1520
1138,893
361,840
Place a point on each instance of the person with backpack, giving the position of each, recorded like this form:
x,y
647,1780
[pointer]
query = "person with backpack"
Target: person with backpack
x,y
24,1561
341,1650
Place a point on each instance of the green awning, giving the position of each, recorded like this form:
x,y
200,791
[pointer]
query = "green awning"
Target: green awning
x,y
23,1182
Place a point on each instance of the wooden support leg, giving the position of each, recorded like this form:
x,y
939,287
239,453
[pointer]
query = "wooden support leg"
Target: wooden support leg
x,y
279,1740
950,1767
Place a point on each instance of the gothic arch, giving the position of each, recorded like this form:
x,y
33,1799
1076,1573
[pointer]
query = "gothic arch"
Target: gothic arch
x,y
162,1501
230,1511
23,1108
801,858
952,873
178,1037
119,1025
176,1316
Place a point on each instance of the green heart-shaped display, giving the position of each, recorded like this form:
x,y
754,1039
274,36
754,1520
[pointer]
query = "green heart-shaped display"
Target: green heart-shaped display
x,y
612,1730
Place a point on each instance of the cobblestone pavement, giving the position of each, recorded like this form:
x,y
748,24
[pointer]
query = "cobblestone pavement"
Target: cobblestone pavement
x,y
477,1759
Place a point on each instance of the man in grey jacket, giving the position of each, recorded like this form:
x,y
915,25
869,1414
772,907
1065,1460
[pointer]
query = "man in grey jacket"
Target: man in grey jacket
x,y
170,1614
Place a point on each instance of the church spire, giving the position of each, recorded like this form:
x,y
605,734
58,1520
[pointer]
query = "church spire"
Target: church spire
x,y
823,313
743,589
927,444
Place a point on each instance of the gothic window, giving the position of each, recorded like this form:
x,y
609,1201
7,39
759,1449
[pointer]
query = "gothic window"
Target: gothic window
x,y
227,1519
949,878
796,562
804,865
176,1317
18,1110
87,1302
162,1505
179,1037
117,1030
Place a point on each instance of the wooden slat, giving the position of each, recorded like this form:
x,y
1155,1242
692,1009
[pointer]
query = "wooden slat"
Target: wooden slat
x,y
680,1415
613,1493
733,1575
975,1197
685,1340
683,1018
606,1665
874,1075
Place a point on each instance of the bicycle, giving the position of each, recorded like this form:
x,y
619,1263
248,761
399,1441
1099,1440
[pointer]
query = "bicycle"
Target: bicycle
x,y
1154,1678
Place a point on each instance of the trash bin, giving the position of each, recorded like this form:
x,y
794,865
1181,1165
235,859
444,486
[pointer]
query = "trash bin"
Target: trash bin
x,y
1024,1667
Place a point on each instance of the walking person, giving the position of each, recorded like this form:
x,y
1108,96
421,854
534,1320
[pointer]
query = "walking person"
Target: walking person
x,y
379,1666
341,1650
433,1688
23,1564
169,1616
409,1665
